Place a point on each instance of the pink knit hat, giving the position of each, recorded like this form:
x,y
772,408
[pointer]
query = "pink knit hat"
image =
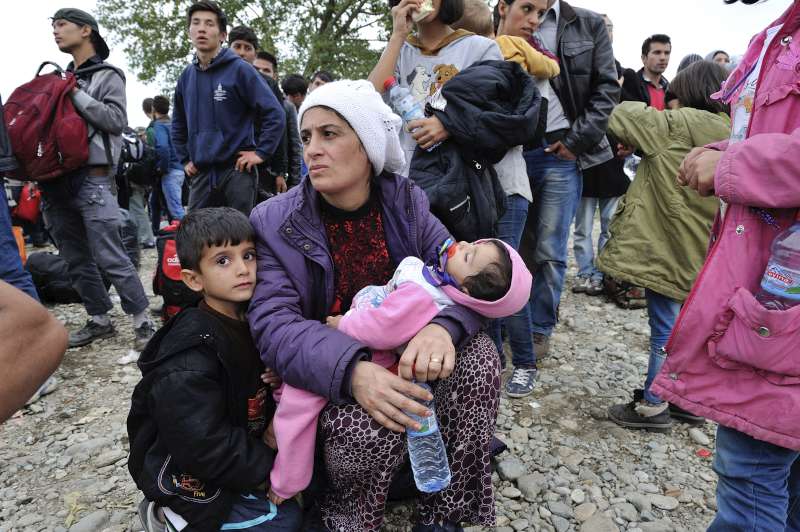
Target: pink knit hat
x,y
519,293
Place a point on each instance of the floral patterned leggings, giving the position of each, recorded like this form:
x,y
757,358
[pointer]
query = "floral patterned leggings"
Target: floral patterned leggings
x,y
361,456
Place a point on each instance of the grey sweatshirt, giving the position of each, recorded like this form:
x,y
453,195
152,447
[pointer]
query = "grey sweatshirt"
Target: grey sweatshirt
x,y
101,102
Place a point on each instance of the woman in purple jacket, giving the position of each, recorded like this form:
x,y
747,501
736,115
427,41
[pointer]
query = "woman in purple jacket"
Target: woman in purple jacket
x,y
347,226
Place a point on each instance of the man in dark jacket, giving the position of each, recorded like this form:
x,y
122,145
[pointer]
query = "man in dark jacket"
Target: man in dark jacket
x,y
80,209
581,100
216,100
649,85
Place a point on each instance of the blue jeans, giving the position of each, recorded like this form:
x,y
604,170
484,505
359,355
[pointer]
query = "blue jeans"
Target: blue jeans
x,y
518,326
171,185
759,485
11,270
584,223
662,313
556,185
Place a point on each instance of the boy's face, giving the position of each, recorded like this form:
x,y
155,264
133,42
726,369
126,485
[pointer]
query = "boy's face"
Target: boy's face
x,y
204,31
265,67
226,276
245,50
68,35
466,259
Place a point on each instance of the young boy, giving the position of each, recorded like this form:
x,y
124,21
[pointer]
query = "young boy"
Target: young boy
x,y
199,414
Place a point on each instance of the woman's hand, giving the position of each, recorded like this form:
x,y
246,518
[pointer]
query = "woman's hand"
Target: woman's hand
x,y
430,355
402,22
269,437
271,379
333,321
276,500
698,169
385,396
428,131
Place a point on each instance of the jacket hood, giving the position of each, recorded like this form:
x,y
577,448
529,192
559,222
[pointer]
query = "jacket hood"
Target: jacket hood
x,y
453,37
704,126
189,328
225,56
518,295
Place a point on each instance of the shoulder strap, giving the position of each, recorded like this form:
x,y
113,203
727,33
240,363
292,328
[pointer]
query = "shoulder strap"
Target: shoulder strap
x,y
96,68
59,70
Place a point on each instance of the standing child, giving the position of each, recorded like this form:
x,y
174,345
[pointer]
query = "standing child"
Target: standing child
x,y
425,61
487,276
199,414
660,232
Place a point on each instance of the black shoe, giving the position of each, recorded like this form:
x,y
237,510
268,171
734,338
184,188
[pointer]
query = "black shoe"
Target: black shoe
x,y
639,414
142,335
679,414
91,331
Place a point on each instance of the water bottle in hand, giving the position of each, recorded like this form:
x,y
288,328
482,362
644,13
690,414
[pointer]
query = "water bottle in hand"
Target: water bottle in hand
x,y
780,286
404,104
427,452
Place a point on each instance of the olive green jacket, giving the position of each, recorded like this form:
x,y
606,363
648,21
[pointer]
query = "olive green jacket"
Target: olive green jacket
x,y
660,232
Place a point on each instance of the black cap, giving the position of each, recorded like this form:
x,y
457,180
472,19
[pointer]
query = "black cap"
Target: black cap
x,y
83,18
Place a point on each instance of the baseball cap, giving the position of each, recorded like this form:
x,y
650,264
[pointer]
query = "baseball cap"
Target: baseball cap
x,y
83,18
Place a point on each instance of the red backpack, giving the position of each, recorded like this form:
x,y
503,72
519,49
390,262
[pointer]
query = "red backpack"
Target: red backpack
x,y
48,137
167,281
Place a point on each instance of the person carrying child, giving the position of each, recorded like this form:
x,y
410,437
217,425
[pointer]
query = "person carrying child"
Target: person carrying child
x,y
487,276
199,414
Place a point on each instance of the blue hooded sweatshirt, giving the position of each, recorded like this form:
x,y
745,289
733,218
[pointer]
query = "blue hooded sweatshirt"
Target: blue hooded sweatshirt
x,y
212,118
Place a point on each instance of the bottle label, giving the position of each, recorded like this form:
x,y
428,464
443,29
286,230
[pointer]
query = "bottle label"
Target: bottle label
x,y
429,425
781,281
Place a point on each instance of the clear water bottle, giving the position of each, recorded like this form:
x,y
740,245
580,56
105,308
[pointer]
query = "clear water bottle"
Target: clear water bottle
x,y
404,104
631,165
780,286
427,452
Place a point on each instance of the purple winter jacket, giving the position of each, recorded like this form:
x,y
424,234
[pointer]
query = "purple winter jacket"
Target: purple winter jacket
x,y
295,286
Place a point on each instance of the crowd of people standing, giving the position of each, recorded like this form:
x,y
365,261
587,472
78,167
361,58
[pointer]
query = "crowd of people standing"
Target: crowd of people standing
x,y
330,286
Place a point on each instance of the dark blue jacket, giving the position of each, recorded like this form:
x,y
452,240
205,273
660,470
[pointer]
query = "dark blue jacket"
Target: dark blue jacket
x,y
214,109
295,283
165,150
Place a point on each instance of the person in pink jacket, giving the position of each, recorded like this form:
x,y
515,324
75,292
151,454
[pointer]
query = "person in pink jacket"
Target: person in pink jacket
x,y
729,359
487,276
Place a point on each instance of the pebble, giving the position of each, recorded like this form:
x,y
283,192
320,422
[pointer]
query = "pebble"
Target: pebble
x,y
511,469
664,502
699,437
511,492
560,509
28,520
91,522
584,511
640,501
627,511
531,485
599,523
577,496
520,524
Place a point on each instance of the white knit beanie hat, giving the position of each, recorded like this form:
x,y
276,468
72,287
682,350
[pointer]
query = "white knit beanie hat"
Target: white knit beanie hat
x,y
376,125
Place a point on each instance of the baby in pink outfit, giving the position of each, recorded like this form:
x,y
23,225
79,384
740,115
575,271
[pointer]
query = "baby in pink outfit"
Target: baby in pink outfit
x,y
486,276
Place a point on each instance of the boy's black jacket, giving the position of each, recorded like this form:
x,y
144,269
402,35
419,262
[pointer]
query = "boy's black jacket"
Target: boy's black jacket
x,y
190,447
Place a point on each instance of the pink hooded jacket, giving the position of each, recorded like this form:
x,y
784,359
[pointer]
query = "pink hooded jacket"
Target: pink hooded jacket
x,y
401,315
729,359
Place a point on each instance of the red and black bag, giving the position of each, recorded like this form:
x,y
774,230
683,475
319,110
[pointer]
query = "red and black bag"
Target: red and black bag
x,y
28,205
48,136
167,281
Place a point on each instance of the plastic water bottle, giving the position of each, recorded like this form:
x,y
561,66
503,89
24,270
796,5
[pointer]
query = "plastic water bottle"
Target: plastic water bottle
x,y
427,452
404,104
631,166
780,286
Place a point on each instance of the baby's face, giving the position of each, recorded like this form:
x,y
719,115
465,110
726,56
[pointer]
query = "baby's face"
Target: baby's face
x,y
466,259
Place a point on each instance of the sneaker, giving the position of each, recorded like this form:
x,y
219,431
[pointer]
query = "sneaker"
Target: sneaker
x,y
581,285
49,386
142,335
595,287
679,414
641,415
91,331
149,517
521,382
541,345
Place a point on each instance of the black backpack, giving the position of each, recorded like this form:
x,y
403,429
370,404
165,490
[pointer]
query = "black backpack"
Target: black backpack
x,y
138,160
464,194
167,281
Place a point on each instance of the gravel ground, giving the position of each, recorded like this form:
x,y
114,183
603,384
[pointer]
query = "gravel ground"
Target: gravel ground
x,y
63,460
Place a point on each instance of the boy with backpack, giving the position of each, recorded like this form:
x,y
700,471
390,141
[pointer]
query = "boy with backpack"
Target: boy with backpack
x,y
217,98
80,207
199,415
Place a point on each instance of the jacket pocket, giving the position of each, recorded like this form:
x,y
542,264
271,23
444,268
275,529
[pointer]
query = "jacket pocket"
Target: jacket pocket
x,y
172,481
749,336
206,146
579,57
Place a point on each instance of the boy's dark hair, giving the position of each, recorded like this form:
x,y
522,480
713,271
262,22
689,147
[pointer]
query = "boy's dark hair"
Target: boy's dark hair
x,y
208,5
658,37
266,56
694,85
449,12
243,33
294,84
324,75
161,105
147,105
494,281
210,226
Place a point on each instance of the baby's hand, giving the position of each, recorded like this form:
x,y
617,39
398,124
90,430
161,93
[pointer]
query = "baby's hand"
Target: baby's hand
x,y
270,378
333,321
269,437
274,498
